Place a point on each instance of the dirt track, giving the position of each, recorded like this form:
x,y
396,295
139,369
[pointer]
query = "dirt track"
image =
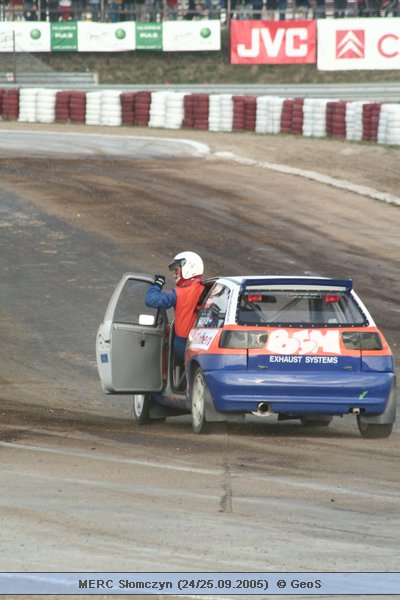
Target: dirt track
x,y
337,494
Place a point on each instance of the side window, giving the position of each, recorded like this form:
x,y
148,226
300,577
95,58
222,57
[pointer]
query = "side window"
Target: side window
x,y
213,311
131,304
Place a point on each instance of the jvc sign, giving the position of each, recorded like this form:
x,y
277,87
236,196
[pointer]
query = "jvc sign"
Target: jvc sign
x,y
358,44
273,42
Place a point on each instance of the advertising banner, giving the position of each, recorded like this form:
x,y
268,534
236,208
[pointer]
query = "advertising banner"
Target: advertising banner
x,y
346,44
149,36
24,36
182,36
64,36
273,42
106,37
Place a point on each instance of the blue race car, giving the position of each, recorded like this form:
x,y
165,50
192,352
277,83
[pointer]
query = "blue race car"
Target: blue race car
x,y
301,348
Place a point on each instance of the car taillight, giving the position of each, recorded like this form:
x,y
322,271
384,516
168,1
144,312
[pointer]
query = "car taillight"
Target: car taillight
x,y
356,340
332,298
243,339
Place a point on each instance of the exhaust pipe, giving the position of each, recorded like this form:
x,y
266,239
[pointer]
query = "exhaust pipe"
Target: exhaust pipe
x,y
263,410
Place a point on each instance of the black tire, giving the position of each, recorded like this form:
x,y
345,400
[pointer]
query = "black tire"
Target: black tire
x,y
198,398
316,422
141,408
374,430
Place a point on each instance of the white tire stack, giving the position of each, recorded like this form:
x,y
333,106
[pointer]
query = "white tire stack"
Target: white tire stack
x,y
27,105
262,114
389,124
314,117
354,121
220,115
46,106
110,108
268,116
158,109
174,110
93,108
214,112
308,116
226,104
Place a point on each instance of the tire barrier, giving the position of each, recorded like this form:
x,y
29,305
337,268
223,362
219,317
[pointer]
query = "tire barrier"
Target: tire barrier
x,y
336,119
110,108
370,119
221,112
389,124
287,116
128,108
93,108
62,112
10,105
27,105
269,110
238,113
77,104
298,116
250,112
315,117
201,104
142,108
188,116
311,117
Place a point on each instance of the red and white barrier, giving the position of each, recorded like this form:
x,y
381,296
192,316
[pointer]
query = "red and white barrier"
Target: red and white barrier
x,y
310,117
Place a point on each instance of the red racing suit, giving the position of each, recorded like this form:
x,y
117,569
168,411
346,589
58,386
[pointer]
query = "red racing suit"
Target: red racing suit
x,y
184,298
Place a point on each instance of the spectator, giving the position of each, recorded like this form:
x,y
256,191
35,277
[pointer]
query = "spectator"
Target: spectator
x,y
302,8
282,7
30,12
95,9
213,8
65,10
271,7
140,11
195,10
339,9
320,9
257,6
373,8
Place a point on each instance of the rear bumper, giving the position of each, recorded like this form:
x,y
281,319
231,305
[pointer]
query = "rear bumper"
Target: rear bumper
x,y
301,393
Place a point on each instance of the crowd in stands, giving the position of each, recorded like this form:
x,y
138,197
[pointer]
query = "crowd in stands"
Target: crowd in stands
x,y
159,10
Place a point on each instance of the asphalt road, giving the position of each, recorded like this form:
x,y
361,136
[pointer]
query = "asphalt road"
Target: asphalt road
x,y
84,488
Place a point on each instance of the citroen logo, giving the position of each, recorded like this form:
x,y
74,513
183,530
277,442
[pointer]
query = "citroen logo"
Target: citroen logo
x,y
350,43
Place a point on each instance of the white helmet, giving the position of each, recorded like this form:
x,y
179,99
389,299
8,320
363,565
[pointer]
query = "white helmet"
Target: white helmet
x,y
190,263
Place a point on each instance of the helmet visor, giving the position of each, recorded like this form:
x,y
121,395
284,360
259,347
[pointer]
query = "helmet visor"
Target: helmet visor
x,y
177,262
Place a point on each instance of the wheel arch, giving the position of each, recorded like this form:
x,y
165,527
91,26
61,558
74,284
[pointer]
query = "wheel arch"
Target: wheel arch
x,y
212,415
389,414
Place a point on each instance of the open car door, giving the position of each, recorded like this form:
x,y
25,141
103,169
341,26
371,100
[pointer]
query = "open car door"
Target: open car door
x,y
130,341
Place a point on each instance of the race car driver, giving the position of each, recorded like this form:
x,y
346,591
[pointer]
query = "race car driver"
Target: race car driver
x,y
187,270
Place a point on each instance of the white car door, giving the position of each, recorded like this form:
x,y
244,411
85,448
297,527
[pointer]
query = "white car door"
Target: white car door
x,y
129,343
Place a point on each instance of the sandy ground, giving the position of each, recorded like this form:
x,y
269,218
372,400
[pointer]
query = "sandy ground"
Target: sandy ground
x,y
265,496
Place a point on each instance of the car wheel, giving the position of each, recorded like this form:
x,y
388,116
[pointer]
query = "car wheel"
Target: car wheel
x,y
141,408
316,422
374,430
198,396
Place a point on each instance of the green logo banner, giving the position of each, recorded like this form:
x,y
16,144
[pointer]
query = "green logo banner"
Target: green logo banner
x,y
64,36
149,36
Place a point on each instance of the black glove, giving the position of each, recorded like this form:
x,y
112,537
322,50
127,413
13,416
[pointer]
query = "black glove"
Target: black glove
x,y
159,280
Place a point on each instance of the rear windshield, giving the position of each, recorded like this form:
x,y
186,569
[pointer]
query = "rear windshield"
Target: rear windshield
x,y
299,308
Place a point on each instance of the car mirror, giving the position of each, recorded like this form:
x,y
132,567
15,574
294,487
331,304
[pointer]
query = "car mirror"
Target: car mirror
x,y
148,320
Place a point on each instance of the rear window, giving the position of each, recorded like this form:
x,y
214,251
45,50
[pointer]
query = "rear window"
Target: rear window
x,y
299,309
